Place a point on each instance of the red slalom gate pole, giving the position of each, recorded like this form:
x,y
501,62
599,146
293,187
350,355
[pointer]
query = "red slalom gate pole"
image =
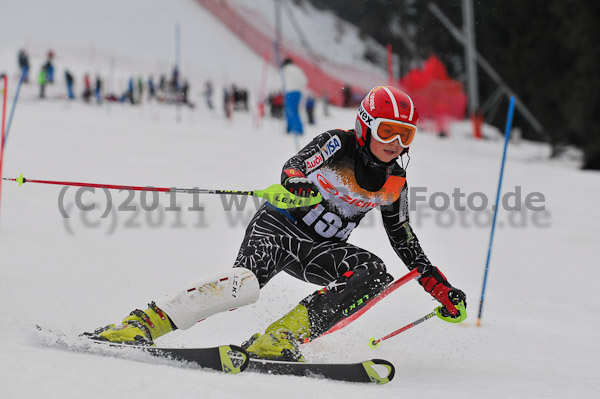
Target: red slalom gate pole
x,y
373,343
3,131
263,85
387,291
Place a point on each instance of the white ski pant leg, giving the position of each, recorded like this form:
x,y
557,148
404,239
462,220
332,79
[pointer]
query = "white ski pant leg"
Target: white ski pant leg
x,y
224,291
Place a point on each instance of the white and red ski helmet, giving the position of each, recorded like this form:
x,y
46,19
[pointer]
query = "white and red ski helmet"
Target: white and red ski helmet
x,y
384,102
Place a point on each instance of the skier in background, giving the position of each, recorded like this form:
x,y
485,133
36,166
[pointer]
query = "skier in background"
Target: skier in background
x,y
355,171
295,83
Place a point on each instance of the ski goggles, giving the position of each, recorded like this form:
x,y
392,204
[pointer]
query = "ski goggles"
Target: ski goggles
x,y
387,130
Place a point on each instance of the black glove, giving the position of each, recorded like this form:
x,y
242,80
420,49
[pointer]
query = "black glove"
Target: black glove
x,y
301,186
296,183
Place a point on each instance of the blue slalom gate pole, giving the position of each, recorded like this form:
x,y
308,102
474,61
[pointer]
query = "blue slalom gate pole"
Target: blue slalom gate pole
x,y
12,110
509,119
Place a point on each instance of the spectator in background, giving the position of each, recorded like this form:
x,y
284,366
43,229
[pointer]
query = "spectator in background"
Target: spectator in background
x,y
24,64
174,83
140,89
98,90
227,102
310,108
130,91
276,102
347,95
295,82
240,98
151,89
185,89
69,79
49,67
42,81
208,93
87,88
162,83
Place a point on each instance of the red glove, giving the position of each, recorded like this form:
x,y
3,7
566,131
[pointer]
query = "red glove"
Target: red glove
x,y
436,284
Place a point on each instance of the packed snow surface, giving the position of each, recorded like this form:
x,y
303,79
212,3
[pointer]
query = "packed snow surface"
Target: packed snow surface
x,y
539,336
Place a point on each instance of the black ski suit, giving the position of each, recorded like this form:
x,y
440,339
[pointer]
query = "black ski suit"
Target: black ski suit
x,y
311,243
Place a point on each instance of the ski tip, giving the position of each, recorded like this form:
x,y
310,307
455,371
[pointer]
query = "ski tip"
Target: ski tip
x,y
379,371
373,343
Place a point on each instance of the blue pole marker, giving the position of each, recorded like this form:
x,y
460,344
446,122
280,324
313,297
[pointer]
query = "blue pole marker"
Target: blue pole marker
x,y
509,120
12,110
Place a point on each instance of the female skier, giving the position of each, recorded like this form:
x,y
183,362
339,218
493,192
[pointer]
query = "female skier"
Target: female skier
x,y
355,171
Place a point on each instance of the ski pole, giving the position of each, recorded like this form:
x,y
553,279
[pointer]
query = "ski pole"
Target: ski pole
x,y
388,290
374,343
275,194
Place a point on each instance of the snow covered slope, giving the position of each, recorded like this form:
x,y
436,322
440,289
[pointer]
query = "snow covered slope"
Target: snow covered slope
x,y
318,34
328,36
539,333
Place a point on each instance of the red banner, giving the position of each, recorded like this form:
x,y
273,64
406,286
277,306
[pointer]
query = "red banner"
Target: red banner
x,y
437,97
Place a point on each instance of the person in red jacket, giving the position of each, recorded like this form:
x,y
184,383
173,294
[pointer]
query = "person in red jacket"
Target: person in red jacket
x,y
355,171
